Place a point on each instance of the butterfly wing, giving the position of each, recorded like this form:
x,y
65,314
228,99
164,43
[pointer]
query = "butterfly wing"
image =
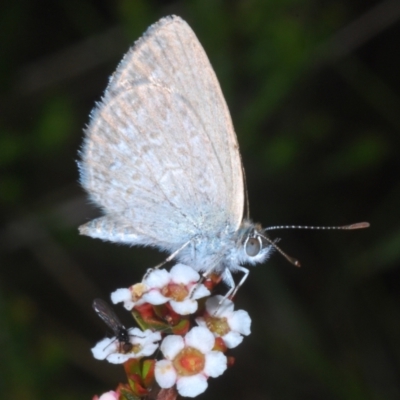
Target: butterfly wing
x,y
160,155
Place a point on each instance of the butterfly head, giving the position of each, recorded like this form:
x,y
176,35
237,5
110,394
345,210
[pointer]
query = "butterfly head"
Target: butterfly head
x,y
252,246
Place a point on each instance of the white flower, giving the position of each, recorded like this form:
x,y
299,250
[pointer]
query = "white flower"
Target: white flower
x,y
179,286
111,395
224,322
189,361
142,345
130,297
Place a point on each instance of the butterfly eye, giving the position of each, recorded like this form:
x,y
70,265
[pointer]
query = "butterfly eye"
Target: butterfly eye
x,y
253,246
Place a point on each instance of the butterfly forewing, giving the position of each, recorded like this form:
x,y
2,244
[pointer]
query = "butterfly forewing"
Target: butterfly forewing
x,y
160,154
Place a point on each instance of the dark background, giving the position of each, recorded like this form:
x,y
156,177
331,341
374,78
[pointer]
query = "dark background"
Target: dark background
x,y
313,87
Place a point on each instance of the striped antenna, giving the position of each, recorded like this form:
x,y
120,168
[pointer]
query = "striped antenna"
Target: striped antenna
x,y
358,225
292,260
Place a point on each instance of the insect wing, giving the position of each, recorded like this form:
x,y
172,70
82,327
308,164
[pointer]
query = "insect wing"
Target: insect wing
x,y
160,155
107,314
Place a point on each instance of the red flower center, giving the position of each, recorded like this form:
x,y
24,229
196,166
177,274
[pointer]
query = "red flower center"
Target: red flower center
x,y
219,326
189,361
175,291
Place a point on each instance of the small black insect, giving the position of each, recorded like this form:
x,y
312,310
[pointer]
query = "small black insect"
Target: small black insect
x,y
107,314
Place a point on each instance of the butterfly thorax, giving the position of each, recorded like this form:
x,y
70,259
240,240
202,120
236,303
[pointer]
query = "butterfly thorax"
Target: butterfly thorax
x,y
228,250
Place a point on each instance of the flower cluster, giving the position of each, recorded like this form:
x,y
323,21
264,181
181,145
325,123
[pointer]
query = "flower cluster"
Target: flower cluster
x,y
178,316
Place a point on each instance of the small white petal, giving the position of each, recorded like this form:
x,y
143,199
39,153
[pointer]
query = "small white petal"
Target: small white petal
x,y
119,358
155,297
171,346
199,291
109,396
240,321
150,336
157,278
215,307
181,273
200,338
184,307
165,374
216,364
128,305
201,322
148,350
104,348
191,386
232,339
121,295
137,332
146,340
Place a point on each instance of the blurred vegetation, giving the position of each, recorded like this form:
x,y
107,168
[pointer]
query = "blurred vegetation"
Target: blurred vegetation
x,y
313,88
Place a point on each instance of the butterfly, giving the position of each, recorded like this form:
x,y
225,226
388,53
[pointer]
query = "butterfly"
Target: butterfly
x,y
161,158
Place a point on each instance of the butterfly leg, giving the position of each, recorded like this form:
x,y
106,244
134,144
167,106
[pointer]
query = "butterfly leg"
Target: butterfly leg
x,y
228,279
173,255
244,277
168,259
